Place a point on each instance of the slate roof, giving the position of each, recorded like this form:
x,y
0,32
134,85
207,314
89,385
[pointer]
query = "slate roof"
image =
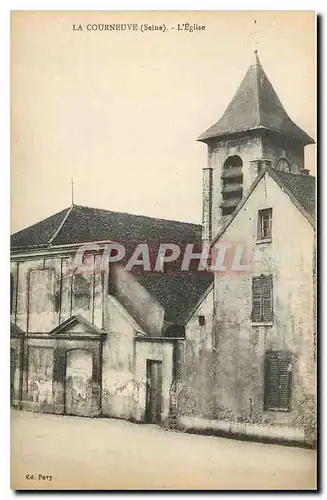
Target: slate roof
x,y
79,224
302,187
40,233
177,291
255,106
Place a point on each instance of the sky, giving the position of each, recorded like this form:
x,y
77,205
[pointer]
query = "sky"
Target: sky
x,y
121,112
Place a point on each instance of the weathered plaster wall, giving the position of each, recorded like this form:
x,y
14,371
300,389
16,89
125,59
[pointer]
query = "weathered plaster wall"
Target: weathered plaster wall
x,y
198,378
240,346
158,351
124,365
118,387
146,311
15,369
50,394
43,296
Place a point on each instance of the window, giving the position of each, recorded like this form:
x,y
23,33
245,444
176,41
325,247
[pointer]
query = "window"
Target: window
x,y
265,224
202,320
262,304
278,371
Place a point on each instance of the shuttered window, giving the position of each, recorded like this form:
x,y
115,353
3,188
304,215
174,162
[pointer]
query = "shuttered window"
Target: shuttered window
x,y
278,371
262,304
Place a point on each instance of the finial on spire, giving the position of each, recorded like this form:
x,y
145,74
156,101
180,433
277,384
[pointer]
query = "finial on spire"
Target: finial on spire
x,y
254,35
257,61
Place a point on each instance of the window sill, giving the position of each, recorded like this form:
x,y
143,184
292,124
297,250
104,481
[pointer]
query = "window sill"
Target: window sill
x,y
263,323
281,410
263,240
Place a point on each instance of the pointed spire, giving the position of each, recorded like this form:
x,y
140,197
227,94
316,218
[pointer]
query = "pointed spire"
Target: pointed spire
x,y
255,105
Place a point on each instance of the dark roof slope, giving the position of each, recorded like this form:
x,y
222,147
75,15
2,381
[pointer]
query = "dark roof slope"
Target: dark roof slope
x,y
177,291
85,224
302,187
40,233
255,105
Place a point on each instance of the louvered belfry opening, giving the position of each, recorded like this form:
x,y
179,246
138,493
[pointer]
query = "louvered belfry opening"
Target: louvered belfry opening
x,y
232,184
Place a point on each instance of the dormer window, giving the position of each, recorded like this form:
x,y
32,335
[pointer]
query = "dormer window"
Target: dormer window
x,y
284,165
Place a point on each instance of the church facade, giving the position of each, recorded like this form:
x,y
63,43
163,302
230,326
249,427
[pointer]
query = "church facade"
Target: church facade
x,y
219,350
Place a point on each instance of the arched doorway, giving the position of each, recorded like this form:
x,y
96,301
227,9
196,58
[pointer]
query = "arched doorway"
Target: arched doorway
x,y
78,382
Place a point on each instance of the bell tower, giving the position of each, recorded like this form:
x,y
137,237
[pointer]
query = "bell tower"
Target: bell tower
x,y
253,132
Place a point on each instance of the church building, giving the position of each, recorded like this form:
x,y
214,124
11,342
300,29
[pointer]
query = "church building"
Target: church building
x,y
224,351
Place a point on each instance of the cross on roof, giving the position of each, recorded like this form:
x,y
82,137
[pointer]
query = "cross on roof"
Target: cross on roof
x,y
72,189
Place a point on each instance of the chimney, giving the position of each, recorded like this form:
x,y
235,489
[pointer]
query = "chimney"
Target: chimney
x,y
257,165
207,205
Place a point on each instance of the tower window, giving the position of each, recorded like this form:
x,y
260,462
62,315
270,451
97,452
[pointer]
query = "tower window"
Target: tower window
x,y
232,189
284,165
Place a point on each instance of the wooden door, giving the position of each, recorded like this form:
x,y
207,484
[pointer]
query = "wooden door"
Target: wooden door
x,y
154,391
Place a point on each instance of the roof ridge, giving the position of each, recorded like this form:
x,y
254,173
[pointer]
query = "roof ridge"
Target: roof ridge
x,y
274,174
139,215
297,174
257,87
57,231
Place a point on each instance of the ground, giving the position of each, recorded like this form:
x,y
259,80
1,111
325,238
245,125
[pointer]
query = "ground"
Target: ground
x,y
85,453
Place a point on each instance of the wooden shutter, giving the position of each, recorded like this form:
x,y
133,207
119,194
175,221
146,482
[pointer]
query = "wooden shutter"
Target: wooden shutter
x,y
262,305
256,300
266,293
284,381
271,381
277,381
